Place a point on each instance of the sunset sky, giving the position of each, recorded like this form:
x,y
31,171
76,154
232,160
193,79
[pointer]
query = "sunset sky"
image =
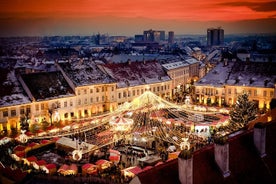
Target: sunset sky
x,y
129,17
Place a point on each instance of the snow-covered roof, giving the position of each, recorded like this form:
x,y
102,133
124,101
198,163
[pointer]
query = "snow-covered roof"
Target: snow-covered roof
x,y
11,92
241,74
213,54
196,49
136,73
85,72
191,60
174,65
47,85
122,58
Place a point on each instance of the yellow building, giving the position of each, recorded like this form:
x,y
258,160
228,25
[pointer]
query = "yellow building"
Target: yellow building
x,y
182,72
79,90
226,81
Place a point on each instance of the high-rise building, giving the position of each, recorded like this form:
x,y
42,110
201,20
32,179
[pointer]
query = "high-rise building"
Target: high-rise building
x,y
171,37
215,36
154,36
162,35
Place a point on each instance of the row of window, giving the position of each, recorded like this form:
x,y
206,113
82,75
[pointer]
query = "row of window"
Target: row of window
x,y
181,73
13,112
137,92
97,90
211,91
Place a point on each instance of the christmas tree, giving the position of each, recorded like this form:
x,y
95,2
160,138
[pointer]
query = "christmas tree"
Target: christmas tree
x,y
244,110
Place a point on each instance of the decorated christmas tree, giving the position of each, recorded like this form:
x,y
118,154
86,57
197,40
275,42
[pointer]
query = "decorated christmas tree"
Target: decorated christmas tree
x,y
244,110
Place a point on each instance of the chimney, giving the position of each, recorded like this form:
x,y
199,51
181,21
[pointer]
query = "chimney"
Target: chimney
x,y
260,138
185,167
222,155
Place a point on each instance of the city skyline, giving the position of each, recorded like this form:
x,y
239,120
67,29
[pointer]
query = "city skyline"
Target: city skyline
x,y
86,17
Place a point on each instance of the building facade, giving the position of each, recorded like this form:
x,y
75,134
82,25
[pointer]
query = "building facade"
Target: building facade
x,y
215,36
83,90
223,84
171,37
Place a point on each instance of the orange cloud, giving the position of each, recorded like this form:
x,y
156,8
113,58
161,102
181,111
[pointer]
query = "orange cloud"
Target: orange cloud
x,y
197,10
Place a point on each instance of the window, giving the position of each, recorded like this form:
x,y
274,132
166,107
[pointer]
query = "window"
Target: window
x,y
102,98
153,89
42,106
97,90
264,93
71,103
5,114
79,92
91,100
36,107
165,87
22,111
28,110
85,91
124,95
85,101
65,104
66,115
271,94
216,91
72,114
158,88
255,92
97,99
138,91
229,91
86,112
91,91
133,93
249,92
119,95
112,88
161,88
102,89
142,91
13,112
79,102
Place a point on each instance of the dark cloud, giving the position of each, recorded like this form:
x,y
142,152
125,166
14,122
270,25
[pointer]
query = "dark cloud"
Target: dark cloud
x,y
256,6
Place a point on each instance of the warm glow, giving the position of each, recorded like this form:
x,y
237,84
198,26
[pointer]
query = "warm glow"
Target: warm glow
x,y
45,15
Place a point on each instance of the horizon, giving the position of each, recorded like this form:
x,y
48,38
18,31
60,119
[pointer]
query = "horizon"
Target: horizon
x,y
88,17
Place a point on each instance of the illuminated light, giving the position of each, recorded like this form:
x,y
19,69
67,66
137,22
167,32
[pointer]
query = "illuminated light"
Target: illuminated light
x,y
54,130
8,126
185,144
66,128
23,137
129,113
121,124
56,116
77,155
75,126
